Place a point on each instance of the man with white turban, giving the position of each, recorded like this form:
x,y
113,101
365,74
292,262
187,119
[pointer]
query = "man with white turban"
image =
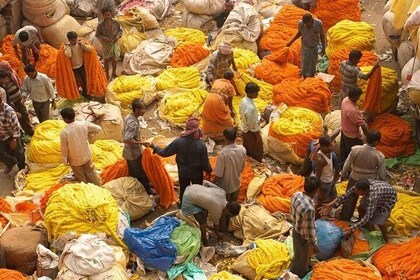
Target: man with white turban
x,y
220,62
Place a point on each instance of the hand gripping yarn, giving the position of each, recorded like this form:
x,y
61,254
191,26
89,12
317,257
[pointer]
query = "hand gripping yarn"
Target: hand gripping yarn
x,y
298,127
82,208
277,190
45,145
350,35
269,259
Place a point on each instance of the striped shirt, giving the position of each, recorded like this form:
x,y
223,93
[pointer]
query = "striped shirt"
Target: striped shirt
x,y
12,91
380,199
303,216
9,123
349,76
218,65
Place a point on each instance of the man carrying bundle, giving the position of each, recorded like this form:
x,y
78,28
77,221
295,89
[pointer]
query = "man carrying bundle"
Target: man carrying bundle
x,y
29,40
312,33
378,199
350,73
207,198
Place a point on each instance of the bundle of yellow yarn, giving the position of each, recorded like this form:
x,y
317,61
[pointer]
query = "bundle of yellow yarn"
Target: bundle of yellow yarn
x,y
224,275
269,259
41,181
82,208
245,58
186,36
105,152
178,106
127,88
182,77
266,89
45,145
350,35
405,214
389,98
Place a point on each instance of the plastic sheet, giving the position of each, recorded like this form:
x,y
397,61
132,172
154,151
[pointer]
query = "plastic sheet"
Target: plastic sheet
x,y
152,245
329,238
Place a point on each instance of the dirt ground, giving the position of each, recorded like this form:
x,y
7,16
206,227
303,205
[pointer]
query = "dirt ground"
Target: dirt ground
x,y
372,13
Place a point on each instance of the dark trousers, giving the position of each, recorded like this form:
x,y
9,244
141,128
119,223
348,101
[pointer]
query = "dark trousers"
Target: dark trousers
x,y
253,144
135,169
302,253
80,76
346,143
42,110
9,157
185,182
350,204
306,168
224,219
24,120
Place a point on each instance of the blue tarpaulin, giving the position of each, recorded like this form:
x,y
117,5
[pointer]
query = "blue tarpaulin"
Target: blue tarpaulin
x,y
152,245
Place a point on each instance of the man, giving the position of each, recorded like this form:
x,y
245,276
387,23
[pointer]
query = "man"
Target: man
x,y
29,40
312,32
327,170
304,235
206,198
11,150
252,139
365,162
229,165
110,4
39,88
14,99
309,165
133,150
219,21
220,62
305,4
191,156
109,32
351,121
350,73
75,146
74,50
378,199
225,87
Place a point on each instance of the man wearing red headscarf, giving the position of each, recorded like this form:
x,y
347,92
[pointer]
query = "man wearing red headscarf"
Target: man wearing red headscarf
x,y
191,156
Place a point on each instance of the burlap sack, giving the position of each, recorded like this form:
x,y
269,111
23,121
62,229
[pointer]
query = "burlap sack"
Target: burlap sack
x,y
19,245
242,266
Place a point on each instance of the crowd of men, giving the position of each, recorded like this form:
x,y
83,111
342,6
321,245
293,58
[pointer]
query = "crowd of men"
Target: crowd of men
x,y
361,163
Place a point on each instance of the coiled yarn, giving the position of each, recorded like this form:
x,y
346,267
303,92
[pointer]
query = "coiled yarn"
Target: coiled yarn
x,y
343,269
182,77
41,181
105,152
269,259
188,55
186,36
245,58
8,274
224,275
405,214
298,127
45,145
350,35
331,12
127,88
82,208
266,89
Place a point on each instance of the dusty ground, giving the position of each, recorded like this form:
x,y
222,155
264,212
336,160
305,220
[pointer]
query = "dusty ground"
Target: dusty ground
x,y
372,13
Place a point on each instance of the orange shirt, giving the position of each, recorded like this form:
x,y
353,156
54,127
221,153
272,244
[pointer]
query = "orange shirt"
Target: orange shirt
x,y
223,87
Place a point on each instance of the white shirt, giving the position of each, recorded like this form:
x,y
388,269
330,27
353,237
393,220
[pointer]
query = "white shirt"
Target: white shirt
x,y
75,142
249,115
32,36
39,89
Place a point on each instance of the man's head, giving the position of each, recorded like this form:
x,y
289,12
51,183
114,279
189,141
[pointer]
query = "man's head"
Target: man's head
x,y
23,36
355,93
31,71
362,187
138,107
354,56
230,134
229,4
233,208
106,13
308,20
4,77
225,49
252,90
72,37
311,185
228,75
68,114
325,144
373,137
